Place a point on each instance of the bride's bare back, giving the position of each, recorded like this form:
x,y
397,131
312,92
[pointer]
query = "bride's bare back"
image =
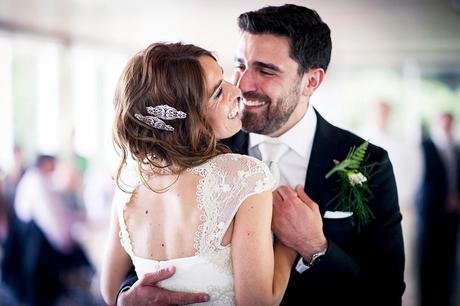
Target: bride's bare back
x,y
163,226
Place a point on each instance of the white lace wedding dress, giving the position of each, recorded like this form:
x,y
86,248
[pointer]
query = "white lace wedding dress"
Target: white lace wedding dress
x,y
225,182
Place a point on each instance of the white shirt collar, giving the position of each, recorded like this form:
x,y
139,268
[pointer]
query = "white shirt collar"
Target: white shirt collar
x,y
299,138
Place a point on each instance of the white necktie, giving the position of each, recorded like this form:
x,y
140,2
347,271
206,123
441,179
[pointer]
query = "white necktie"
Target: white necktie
x,y
271,154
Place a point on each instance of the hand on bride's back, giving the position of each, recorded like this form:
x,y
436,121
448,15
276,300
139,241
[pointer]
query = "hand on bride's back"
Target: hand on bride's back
x,y
146,292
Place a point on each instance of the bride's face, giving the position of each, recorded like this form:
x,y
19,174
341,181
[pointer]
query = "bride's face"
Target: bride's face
x,y
222,110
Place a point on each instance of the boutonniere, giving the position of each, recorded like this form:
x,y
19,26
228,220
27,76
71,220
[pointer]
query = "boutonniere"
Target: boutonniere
x,y
353,193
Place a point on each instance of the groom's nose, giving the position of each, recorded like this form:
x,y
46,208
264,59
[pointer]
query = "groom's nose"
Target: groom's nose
x,y
236,77
245,80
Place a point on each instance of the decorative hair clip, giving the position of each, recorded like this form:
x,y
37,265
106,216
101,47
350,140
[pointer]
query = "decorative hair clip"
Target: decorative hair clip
x,y
158,113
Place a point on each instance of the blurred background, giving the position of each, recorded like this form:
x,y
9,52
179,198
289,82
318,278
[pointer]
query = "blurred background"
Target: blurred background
x,y
394,79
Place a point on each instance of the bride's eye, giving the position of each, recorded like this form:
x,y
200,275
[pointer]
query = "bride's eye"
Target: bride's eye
x,y
218,93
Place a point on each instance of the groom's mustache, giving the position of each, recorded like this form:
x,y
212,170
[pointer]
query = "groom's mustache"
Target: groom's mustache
x,y
252,95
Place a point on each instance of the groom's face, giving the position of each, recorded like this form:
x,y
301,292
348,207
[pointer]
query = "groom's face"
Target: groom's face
x,y
269,81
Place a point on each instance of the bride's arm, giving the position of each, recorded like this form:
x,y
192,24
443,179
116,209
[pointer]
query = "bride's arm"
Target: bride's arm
x,y
261,271
284,259
115,264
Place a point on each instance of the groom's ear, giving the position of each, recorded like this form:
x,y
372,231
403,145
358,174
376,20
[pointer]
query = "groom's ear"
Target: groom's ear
x,y
312,79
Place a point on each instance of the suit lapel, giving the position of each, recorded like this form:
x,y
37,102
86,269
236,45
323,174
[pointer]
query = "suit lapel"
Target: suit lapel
x,y
325,149
238,143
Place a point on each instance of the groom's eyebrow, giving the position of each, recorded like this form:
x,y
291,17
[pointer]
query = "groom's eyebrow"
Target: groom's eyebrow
x,y
267,66
260,64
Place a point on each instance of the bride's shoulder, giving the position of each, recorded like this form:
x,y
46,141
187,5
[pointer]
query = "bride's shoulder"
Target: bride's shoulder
x,y
239,158
247,171
239,162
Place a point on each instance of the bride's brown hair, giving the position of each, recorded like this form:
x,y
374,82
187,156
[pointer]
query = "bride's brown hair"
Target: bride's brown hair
x,y
164,74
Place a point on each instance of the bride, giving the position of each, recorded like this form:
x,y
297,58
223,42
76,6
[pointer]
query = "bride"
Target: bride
x,y
182,199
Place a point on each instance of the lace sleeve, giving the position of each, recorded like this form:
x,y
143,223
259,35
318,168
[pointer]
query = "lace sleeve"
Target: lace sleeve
x,y
242,176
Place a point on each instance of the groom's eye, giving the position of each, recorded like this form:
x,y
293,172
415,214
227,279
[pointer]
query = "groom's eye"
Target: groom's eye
x,y
267,72
239,66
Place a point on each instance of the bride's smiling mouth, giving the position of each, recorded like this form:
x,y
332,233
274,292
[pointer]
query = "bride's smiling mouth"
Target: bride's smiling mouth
x,y
234,113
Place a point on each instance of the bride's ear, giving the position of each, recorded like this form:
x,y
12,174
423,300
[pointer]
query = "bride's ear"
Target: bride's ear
x,y
312,78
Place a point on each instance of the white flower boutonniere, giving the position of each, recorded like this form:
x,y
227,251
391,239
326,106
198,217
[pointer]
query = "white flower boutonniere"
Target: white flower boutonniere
x,y
356,178
353,193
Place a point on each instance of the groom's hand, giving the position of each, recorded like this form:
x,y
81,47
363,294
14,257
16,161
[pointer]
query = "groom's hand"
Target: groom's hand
x,y
297,221
145,292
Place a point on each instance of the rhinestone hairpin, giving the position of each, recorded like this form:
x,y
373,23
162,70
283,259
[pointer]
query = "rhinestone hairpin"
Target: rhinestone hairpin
x,y
158,113
165,112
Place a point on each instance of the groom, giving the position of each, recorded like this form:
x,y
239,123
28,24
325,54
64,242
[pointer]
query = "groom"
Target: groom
x,y
281,60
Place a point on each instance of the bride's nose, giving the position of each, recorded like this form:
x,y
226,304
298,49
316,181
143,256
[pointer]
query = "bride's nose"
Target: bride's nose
x,y
236,94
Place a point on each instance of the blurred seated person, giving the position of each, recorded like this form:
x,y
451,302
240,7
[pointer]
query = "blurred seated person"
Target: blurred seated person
x,y
50,252
38,199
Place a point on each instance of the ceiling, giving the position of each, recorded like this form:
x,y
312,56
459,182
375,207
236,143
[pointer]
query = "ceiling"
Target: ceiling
x,y
363,31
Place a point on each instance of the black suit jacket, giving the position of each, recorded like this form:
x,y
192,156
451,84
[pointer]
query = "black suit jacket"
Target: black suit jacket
x,y
437,229
363,267
432,198
359,268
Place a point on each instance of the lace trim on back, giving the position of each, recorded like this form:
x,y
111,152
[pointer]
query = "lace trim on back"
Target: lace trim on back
x,y
125,240
226,181
130,180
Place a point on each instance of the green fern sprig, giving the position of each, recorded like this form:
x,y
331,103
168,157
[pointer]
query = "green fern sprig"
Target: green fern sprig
x,y
353,160
353,193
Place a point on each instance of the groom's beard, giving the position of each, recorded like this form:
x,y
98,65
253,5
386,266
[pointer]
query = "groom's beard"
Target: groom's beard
x,y
271,116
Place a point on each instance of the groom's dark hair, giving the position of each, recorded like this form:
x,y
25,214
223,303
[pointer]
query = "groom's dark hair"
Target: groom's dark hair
x,y
310,38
